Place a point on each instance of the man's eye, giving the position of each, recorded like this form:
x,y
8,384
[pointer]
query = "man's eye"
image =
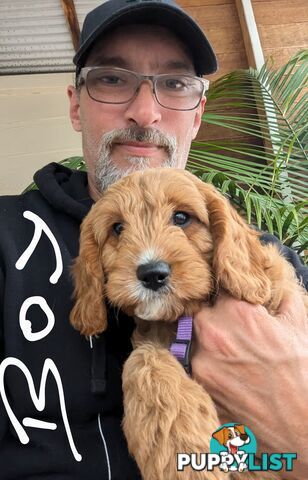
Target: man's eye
x,y
110,80
117,228
175,84
181,219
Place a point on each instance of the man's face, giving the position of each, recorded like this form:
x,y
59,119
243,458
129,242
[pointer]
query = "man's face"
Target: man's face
x,y
150,135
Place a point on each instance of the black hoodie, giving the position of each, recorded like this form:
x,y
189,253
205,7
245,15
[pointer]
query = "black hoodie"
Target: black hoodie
x,y
61,408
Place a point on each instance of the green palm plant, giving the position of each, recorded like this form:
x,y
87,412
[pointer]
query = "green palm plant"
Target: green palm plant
x,y
265,175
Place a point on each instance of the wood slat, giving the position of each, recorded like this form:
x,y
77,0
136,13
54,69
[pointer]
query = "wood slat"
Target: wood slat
x,y
280,12
294,3
72,21
293,35
214,132
250,34
227,62
203,3
219,20
226,40
214,16
280,55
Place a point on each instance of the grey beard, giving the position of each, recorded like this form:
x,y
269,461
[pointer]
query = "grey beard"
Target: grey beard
x,y
106,173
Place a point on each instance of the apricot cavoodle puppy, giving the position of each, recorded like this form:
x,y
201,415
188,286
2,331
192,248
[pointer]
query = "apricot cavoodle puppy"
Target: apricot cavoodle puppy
x,y
156,245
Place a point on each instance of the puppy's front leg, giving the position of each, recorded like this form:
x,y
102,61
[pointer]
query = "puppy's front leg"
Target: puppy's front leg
x,y
166,412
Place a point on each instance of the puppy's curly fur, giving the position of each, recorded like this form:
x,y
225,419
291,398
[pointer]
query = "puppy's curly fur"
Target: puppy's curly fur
x,y
166,411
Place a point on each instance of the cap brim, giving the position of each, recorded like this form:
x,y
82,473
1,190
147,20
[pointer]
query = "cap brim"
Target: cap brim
x,y
174,19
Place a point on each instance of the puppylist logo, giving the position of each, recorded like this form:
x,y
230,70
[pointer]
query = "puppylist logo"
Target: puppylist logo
x,y
233,448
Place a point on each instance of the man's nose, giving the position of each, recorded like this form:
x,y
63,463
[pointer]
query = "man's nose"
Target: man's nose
x,y
143,109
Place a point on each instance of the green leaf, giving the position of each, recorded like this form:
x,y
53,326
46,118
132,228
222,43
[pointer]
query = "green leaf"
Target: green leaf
x,y
268,171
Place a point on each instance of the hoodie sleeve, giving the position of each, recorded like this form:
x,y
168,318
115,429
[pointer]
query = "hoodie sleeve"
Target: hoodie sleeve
x,y
1,313
3,415
291,256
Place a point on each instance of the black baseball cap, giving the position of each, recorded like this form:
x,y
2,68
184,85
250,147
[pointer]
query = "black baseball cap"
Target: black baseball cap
x,y
166,13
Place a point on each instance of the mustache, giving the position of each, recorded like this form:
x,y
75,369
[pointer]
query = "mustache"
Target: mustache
x,y
107,172
139,134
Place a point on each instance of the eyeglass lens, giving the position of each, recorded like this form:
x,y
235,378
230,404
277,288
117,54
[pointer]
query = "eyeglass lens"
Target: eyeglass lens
x,y
179,92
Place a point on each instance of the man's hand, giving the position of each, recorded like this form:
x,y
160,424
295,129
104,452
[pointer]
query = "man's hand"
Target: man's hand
x,y
255,367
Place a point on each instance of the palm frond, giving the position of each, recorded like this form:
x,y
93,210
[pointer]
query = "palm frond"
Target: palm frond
x,y
262,117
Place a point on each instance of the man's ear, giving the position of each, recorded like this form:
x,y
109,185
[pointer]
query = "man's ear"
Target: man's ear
x,y
73,97
198,117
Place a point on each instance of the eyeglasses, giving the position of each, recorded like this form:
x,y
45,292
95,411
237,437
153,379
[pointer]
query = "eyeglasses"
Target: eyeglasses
x,y
117,85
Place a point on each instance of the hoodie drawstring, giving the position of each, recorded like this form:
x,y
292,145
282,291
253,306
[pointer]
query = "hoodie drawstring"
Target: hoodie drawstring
x,y
98,364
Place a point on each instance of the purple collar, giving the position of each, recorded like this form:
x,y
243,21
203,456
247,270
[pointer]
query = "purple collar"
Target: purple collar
x,y
180,348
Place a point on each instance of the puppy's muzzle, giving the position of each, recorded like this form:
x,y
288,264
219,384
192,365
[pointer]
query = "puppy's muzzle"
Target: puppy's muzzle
x,y
153,275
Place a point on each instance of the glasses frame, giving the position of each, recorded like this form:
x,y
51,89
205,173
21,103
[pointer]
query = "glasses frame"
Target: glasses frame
x,y
83,75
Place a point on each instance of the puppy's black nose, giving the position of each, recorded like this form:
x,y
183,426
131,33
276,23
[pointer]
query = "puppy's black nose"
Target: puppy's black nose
x,y
153,275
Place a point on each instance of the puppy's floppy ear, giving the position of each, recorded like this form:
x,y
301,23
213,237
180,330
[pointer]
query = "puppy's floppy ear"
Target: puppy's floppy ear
x,y
220,435
89,312
239,260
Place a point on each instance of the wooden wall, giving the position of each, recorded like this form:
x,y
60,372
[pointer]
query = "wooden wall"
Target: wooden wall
x,y
220,22
282,26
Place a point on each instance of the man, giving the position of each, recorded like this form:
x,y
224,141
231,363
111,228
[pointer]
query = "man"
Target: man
x,y
60,415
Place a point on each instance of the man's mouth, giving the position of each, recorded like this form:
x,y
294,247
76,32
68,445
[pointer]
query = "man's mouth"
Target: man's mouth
x,y
142,149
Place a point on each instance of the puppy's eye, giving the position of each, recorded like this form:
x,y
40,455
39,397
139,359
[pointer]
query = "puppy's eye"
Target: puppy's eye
x,y
181,219
117,228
